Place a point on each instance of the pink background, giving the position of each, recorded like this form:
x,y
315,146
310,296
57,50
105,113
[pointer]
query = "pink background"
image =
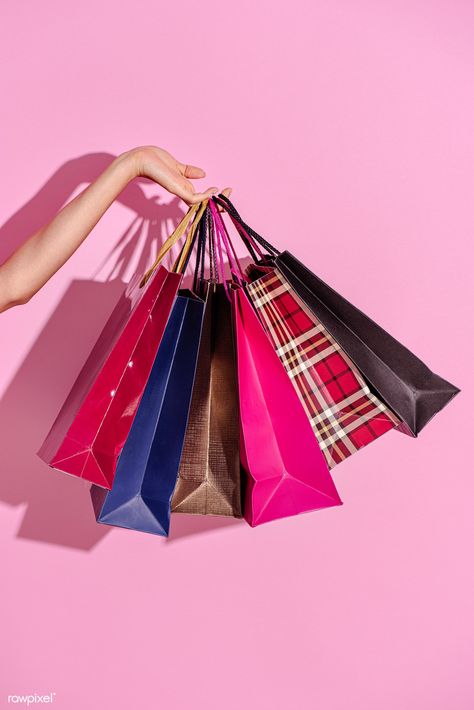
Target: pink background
x,y
346,131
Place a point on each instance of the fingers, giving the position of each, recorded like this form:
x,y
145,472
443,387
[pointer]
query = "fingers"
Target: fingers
x,y
184,189
191,171
200,196
195,197
227,191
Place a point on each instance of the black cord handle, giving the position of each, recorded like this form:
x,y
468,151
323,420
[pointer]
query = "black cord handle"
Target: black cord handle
x,y
224,202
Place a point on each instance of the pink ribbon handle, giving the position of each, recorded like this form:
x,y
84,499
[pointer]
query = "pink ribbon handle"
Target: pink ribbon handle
x,y
224,243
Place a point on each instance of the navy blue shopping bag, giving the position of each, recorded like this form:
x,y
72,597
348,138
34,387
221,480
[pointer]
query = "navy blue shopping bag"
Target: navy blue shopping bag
x,y
148,465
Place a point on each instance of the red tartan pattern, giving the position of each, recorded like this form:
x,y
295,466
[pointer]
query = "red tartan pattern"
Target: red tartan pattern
x,y
343,412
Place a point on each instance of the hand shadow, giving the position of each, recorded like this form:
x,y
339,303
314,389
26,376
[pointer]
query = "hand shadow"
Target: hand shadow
x,y
58,507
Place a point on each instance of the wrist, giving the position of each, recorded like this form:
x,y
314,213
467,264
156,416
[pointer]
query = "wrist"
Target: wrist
x,y
129,162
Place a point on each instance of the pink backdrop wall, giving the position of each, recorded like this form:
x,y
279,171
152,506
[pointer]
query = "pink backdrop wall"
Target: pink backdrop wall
x,y
346,131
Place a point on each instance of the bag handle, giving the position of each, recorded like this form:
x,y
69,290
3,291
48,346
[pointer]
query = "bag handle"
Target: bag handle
x,y
247,233
188,250
212,248
251,246
200,247
202,239
224,242
195,210
183,259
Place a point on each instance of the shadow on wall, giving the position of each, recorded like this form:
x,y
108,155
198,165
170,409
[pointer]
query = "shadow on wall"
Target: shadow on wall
x,y
58,507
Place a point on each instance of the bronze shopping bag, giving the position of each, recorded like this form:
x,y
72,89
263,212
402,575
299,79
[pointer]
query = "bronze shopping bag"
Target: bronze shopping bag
x,y
209,481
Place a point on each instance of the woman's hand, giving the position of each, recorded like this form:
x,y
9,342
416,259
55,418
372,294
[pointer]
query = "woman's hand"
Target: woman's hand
x,y
43,253
159,165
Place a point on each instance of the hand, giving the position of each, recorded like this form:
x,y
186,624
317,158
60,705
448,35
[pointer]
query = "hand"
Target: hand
x,y
158,165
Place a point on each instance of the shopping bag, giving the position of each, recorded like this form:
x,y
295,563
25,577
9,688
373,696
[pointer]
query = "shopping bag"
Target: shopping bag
x,y
401,379
209,475
344,414
286,471
406,385
148,465
90,429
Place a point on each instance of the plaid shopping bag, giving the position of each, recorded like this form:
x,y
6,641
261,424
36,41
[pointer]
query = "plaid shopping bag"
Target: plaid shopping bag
x,y
344,414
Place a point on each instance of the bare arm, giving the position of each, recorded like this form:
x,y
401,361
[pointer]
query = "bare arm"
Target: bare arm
x,y
35,261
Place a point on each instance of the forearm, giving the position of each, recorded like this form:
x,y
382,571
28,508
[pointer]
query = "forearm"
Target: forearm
x,y
33,264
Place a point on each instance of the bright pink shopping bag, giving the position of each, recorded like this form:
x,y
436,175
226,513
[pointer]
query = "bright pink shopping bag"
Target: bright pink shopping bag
x,y
93,424
287,473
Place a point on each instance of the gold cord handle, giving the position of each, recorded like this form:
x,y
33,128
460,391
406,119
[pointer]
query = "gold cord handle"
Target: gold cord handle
x,y
171,241
181,260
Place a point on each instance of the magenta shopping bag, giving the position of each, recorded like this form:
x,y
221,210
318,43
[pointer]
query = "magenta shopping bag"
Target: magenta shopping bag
x,y
92,426
287,473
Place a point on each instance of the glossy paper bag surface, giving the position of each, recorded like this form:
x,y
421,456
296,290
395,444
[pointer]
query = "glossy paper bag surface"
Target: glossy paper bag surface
x,y
91,428
209,475
148,465
344,414
401,379
287,473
